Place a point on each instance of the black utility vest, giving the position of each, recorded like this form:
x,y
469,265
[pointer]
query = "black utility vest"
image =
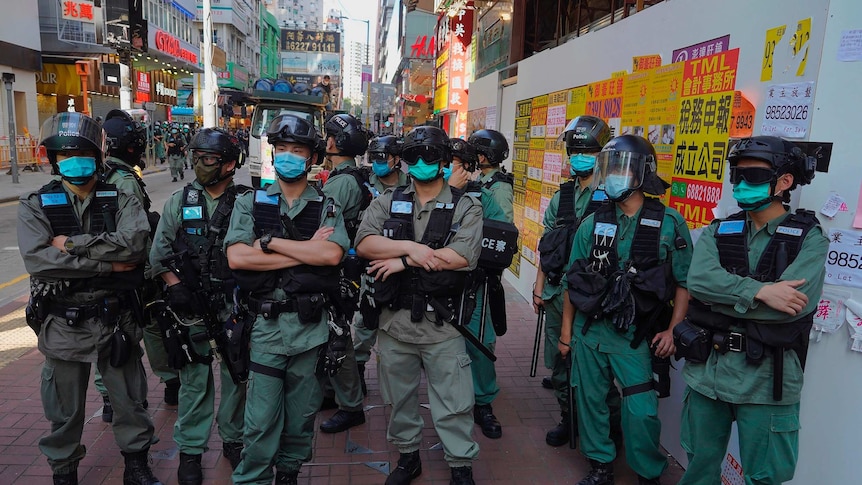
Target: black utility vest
x,y
604,258
102,211
269,220
112,166
362,178
499,176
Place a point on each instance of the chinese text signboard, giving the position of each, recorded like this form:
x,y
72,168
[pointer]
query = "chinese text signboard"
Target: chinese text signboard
x,y
310,41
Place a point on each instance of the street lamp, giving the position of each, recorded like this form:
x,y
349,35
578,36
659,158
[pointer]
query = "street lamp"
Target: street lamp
x,y
367,35
8,79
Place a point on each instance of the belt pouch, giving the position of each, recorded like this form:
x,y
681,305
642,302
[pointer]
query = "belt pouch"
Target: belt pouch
x,y
692,342
121,348
310,307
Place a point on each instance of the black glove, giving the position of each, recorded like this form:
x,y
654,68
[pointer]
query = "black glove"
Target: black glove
x,y
180,298
332,354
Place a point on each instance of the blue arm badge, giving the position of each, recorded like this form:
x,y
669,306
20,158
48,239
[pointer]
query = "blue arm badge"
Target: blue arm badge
x,y
730,227
194,213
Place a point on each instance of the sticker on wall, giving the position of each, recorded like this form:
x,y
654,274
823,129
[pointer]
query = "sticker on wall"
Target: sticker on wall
x,y
741,117
773,36
788,110
844,259
830,313
850,46
799,41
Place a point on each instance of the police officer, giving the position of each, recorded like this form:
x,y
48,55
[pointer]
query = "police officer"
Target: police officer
x,y
421,240
384,152
584,137
755,279
193,224
176,144
459,175
126,140
492,149
285,243
349,186
629,262
84,244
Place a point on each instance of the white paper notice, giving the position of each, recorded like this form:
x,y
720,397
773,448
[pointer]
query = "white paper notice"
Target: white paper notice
x,y
850,46
832,205
788,110
844,259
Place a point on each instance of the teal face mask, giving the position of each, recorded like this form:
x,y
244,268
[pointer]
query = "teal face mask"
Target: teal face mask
x,y
616,186
381,167
77,170
289,166
447,172
581,164
424,171
752,197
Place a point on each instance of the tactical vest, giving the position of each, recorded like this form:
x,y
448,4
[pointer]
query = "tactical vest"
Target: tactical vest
x,y
500,176
398,289
731,238
202,234
362,178
269,220
556,246
103,208
499,238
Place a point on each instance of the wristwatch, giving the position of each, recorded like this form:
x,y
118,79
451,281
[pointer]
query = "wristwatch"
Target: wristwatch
x,y
69,246
264,243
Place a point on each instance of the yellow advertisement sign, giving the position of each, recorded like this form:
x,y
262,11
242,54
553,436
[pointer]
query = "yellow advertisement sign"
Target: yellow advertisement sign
x,y
773,37
577,103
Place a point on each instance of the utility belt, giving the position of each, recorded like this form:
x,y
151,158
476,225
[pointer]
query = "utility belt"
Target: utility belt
x,y
107,311
308,306
695,343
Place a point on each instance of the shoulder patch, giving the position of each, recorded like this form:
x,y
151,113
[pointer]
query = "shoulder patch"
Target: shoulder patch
x,y
789,231
730,227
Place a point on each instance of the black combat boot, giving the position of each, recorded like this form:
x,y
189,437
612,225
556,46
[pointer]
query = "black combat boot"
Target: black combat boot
x,y
483,415
138,470
342,421
107,410
648,481
462,475
189,471
409,467
233,453
70,478
360,366
286,478
328,403
172,391
601,474
547,383
559,435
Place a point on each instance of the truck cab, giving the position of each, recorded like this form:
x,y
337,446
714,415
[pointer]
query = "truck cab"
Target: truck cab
x,y
268,105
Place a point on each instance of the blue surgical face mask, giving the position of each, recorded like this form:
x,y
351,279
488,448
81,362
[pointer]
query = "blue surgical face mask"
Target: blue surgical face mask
x,y
616,185
77,170
424,171
752,197
581,164
447,172
289,166
381,167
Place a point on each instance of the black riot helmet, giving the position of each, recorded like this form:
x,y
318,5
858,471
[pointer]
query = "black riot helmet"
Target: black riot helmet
x,y
72,131
350,137
383,146
625,164
466,152
586,134
492,144
216,141
784,156
126,138
290,128
428,143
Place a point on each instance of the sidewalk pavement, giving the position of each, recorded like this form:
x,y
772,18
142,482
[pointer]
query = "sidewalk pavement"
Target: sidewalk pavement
x,y
359,456
32,181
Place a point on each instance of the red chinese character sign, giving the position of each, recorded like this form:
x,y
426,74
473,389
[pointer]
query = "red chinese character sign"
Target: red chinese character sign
x,y
454,35
142,87
80,10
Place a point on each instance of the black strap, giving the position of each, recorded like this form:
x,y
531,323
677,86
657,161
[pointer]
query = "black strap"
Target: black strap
x,y
500,176
566,210
363,180
268,218
267,370
57,206
113,166
440,221
646,243
638,388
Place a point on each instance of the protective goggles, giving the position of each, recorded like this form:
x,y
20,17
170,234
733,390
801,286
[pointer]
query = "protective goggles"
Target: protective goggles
x,y
208,159
430,154
752,175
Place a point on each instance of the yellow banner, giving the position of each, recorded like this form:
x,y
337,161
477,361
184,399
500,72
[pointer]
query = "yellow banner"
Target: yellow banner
x,y
577,103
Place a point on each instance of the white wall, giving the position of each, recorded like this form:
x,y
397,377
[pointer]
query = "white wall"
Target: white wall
x,y
21,28
831,429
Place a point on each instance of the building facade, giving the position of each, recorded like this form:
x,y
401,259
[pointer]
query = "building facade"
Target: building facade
x,y
20,55
269,45
297,14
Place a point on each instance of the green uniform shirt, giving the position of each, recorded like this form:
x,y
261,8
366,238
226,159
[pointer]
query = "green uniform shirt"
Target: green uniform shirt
x,y
503,194
467,242
582,199
381,187
729,377
601,334
171,222
124,178
289,336
346,192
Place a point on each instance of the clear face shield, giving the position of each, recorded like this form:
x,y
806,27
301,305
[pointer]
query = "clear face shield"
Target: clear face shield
x,y
620,172
73,131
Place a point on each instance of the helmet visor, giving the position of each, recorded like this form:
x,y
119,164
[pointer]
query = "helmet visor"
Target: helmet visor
x,y
72,131
291,126
428,153
618,165
752,175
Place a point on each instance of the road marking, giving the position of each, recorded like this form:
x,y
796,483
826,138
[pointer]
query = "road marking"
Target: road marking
x,y
10,248
14,281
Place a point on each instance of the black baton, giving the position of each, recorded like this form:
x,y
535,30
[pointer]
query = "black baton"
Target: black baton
x,y
537,342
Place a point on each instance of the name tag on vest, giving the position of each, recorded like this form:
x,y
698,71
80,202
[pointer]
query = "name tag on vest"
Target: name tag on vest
x,y
106,193
401,207
605,230
53,199
730,227
193,213
650,223
790,231
599,195
261,197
